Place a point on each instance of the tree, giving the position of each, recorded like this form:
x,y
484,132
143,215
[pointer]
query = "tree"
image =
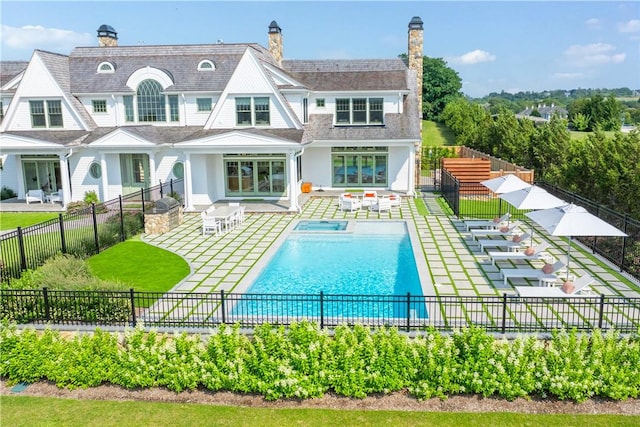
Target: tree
x,y
440,85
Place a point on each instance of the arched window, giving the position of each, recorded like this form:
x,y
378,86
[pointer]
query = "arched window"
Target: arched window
x,y
151,102
106,67
206,65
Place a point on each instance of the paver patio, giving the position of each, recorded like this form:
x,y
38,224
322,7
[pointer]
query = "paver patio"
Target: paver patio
x,y
456,266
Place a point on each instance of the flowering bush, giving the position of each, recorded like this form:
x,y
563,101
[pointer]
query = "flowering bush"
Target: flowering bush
x,y
303,361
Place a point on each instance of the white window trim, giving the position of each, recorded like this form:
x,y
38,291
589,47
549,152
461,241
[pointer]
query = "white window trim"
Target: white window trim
x,y
101,71
201,66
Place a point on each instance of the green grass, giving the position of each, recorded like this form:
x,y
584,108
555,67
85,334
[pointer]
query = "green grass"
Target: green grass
x,y
584,135
436,134
19,411
421,207
144,267
12,220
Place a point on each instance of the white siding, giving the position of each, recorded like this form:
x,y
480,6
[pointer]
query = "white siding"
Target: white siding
x,y
9,173
107,119
21,120
81,180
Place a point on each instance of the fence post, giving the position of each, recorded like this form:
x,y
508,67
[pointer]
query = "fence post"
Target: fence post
x,y
321,310
132,298
171,186
47,309
504,313
601,315
161,192
222,306
408,311
63,241
624,242
142,198
95,227
23,255
123,237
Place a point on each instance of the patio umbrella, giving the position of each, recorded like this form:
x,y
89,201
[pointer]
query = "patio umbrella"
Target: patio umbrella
x,y
532,198
505,184
571,220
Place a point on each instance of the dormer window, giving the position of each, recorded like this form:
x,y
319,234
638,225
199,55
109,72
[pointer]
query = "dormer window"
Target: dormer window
x,y
106,67
206,65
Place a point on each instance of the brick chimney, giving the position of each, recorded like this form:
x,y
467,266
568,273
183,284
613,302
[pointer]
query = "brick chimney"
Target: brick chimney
x,y
107,36
415,53
275,42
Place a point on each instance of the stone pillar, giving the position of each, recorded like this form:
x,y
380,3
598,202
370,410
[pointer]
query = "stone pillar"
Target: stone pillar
x,y
275,42
415,54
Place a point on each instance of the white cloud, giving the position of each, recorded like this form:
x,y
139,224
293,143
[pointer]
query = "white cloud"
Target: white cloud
x,y
632,26
474,57
593,24
593,54
39,37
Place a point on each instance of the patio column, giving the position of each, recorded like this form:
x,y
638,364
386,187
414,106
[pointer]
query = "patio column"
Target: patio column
x,y
411,178
152,170
293,187
64,174
105,177
188,197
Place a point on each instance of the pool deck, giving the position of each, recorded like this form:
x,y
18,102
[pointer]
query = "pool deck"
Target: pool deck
x,y
455,265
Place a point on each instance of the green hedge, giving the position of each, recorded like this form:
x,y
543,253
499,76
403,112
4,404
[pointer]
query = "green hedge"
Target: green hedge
x,y
304,362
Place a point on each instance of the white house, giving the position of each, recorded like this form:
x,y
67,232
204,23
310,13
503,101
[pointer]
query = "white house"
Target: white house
x,y
236,121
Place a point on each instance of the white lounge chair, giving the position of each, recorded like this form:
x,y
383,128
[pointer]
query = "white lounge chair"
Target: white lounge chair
x,y
349,202
395,199
56,196
35,196
382,204
369,198
580,285
532,273
506,231
489,224
508,244
536,253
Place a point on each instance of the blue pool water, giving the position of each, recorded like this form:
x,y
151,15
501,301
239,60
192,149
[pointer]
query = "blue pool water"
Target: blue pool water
x,y
321,226
376,259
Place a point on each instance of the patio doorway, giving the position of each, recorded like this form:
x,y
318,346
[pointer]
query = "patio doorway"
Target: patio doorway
x,y
41,173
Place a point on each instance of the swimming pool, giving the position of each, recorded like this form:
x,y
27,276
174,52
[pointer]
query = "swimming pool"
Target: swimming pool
x,y
375,259
321,226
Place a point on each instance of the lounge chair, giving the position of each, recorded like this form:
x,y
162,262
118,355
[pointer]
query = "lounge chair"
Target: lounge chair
x,y
56,196
532,273
35,196
537,252
491,224
508,244
349,202
369,198
580,285
503,231
396,200
382,204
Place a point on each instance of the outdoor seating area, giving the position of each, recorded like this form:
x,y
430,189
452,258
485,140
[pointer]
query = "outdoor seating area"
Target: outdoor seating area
x,y
217,220
370,200
35,196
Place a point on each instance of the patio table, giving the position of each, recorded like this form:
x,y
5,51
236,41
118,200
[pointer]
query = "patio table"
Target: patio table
x,y
225,214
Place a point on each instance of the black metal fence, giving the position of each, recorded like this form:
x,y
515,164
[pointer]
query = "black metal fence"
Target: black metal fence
x,y
501,314
82,231
472,200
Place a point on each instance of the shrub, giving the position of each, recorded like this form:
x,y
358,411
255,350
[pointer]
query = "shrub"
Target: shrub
x,y
7,193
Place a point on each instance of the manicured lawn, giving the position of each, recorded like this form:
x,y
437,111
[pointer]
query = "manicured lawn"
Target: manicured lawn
x,y
584,135
436,134
19,411
144,267
12,220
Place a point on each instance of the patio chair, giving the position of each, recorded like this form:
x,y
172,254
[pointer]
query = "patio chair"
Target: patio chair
x,y
350,203
35,196
238,218
508,244
210,224
395,200
490,224
536,252
369,198
381,204
56,196
503,231
533,273
580,285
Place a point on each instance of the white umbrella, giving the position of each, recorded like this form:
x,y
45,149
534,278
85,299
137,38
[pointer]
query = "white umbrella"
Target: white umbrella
x,y
505,184
571,220
533,198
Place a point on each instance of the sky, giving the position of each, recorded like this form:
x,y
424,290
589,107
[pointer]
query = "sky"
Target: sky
x,y
494,46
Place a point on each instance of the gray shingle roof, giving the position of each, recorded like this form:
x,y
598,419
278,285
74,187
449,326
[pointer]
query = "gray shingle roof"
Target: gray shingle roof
x,y
10,69
349,75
